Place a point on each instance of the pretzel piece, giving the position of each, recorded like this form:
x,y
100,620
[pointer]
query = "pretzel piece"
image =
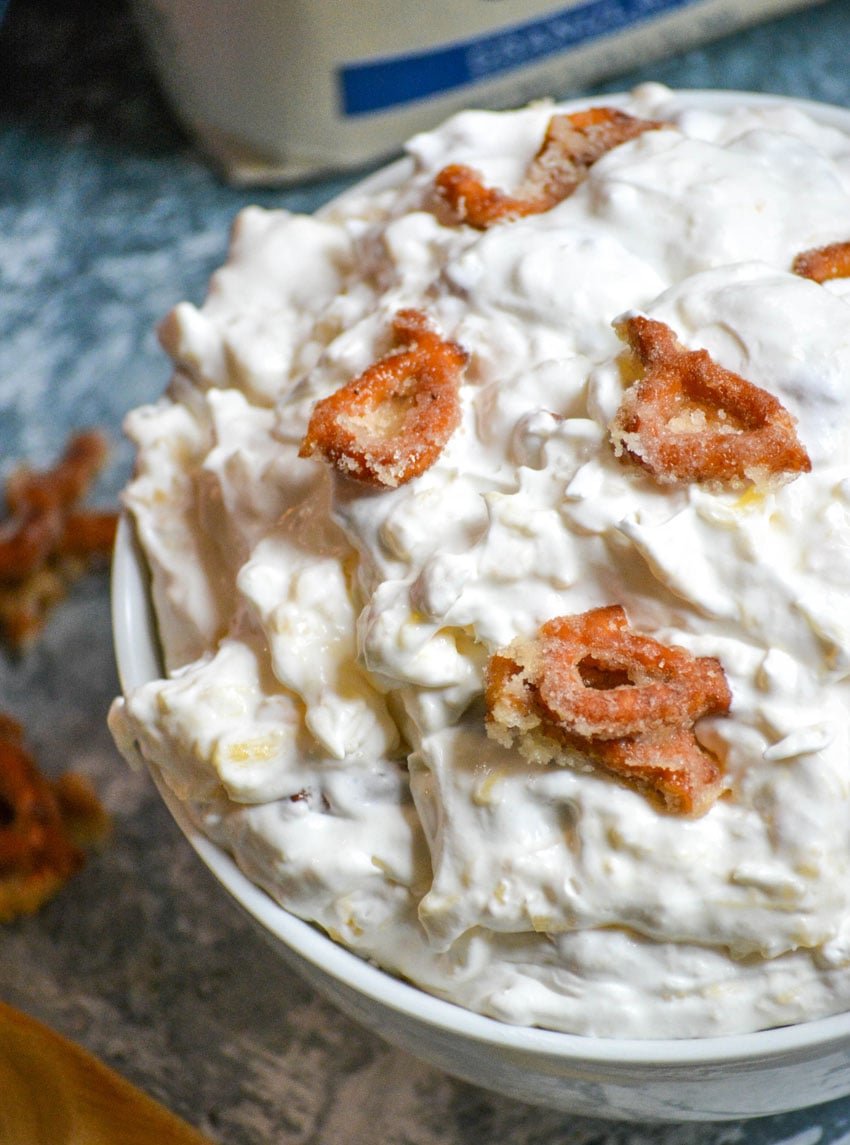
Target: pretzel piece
x,y
392,422
571,145
47,540
589,688
688,419
44,826
823,263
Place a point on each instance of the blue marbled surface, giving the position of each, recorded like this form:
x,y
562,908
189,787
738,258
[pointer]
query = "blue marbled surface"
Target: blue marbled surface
x,y
107,218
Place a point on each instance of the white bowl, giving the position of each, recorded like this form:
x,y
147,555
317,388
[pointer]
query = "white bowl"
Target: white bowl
x,y
691,1079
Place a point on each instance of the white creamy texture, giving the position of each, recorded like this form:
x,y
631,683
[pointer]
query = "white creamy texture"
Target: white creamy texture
x,y
325,642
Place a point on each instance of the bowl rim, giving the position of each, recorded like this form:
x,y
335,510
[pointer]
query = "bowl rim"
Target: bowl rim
x,y
139,661
690,99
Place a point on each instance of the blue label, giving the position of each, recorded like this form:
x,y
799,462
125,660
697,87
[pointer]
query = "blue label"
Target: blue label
x,y
377,85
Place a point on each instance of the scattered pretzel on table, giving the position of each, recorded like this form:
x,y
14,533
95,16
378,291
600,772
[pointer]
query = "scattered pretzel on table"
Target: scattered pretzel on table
x,y
47,539
45,826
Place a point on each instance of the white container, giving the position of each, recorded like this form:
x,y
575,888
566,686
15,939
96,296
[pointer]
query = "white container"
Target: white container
x,y
276,90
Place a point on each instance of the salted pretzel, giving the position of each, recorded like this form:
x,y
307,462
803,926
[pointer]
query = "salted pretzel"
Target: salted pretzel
x,y
391,423
571,145
45,825
47,540
589,689
823,263
688,419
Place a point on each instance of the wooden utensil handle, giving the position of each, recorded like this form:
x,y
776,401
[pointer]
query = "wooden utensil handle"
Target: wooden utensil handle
x,y
56,1093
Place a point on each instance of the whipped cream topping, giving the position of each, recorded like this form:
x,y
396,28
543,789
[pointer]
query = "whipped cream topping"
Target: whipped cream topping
x,y
324,642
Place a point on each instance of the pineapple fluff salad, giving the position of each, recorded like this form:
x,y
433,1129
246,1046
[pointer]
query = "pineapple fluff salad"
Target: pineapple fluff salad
x,y
324,642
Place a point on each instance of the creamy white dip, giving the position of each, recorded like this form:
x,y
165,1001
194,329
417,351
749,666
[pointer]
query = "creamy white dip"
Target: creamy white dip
x,y
325,642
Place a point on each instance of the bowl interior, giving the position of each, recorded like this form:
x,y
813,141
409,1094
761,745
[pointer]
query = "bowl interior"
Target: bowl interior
x,y
139,660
